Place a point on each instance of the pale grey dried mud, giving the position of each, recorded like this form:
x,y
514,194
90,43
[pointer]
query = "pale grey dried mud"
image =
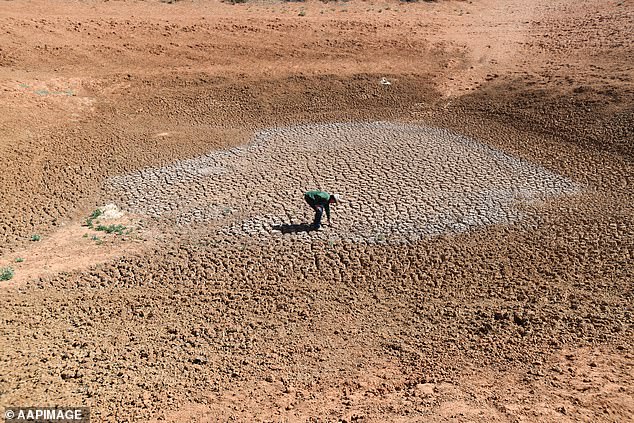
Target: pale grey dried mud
x,y
398,182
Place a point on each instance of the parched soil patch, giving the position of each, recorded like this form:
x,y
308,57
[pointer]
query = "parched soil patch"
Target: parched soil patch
x,y
481,272
191,322
397,182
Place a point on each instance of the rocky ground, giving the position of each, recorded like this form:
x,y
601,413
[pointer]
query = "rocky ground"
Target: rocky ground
x,y
478,268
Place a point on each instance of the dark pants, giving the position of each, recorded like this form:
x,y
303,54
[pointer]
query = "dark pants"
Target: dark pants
x,y
319,211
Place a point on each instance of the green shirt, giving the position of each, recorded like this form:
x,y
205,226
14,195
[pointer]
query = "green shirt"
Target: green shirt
x,y
320,198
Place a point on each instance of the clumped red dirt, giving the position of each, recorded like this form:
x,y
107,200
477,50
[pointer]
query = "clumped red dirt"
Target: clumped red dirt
x,y
505,323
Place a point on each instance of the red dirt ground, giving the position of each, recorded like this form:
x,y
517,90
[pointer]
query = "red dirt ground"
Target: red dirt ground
x,y
505,324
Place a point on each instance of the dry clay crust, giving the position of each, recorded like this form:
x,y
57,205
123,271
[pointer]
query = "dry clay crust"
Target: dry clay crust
x,y
398,182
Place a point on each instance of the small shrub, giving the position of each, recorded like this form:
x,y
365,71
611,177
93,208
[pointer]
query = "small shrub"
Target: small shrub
x,y
19,259
6,273
95,214
302,13
35,238
118,229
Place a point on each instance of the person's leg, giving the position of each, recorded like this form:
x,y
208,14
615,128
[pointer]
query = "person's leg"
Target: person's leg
x,y
319,211
310,202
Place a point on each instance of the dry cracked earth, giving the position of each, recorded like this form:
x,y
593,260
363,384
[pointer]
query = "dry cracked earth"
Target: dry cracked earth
x,y
478,268
398,182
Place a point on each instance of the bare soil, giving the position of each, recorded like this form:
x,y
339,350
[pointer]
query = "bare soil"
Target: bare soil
x,y
180,321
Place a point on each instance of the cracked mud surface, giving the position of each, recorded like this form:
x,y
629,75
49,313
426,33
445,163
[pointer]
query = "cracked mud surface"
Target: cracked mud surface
x,y
398,181
510,301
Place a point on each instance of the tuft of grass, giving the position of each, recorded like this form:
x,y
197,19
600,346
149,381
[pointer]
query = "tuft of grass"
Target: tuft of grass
x,y
302,13
35,238
97,240
19,259
95,214
117,229
6,273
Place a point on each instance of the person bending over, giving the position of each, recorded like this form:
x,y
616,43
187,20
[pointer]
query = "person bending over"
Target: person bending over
x,y
320,201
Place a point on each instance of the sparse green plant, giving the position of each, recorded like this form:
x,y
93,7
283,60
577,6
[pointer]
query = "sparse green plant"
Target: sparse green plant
x,y
6,273
302,13
97,240
19,259
35,238
95,214
118,229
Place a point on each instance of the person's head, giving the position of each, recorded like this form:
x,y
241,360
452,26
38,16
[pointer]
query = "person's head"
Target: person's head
x,y
334,199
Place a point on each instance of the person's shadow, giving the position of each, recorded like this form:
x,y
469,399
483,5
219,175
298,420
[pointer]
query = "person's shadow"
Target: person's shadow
x,y
287,228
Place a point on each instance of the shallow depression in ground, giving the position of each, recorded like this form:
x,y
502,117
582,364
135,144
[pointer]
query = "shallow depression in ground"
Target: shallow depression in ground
x,y
398,182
